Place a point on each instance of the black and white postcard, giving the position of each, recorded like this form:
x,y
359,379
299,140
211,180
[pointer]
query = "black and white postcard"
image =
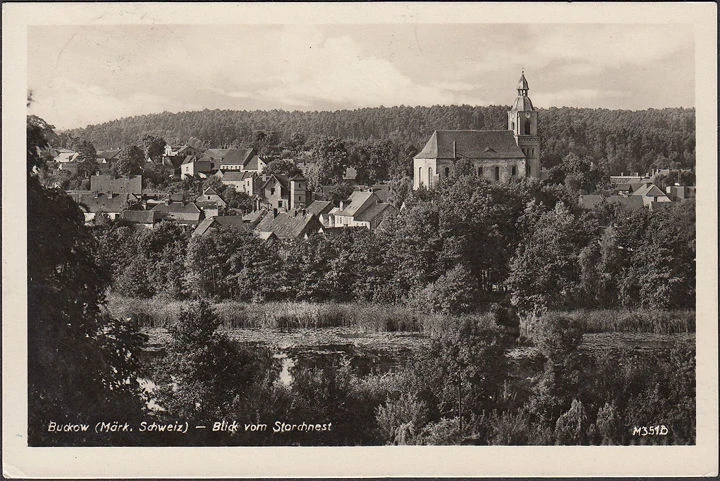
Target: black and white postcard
x,y
359,239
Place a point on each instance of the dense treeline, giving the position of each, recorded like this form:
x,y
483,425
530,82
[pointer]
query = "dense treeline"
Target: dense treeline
x,y
468,243
618,140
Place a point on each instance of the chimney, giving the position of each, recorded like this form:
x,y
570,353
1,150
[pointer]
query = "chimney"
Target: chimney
x,y
304,212
275,213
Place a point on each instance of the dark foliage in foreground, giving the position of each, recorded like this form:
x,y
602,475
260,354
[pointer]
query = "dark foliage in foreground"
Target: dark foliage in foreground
x,y
82,363
462,389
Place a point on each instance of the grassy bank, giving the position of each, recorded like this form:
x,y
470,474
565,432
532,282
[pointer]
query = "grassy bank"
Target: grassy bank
x,y
153,313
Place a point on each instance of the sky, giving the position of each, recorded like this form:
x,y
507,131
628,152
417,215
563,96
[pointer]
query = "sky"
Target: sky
x,y
82,75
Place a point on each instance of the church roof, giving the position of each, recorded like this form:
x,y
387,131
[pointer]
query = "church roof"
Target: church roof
x,y
471,144
522,103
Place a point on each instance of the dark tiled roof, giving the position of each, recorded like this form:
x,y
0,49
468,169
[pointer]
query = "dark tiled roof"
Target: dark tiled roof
x,y
121,185
255,216
288,226
139,216
319,207
100,202
282,180
177,207
253,163
231,221
229,156
369,214
235,176
471,144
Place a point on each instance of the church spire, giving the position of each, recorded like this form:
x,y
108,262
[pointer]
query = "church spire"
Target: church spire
x,y
523,86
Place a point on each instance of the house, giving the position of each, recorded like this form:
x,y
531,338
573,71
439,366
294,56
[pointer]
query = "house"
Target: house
x,y
180,151
121,185
275,192
650,193
363,209
285,225
194,166
233,222
210,195
228,159
63,156
95,203
496,155
282,193
246,182
106,156
140,218
255,165
181,212
321,209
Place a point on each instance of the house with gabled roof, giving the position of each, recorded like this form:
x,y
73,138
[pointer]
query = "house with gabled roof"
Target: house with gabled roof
x,y
363,209
244,181
186,213
285,225
321,209
210,195
650,193
140,218
234,222
94,203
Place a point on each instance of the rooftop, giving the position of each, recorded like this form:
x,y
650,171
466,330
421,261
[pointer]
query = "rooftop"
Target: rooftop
x,y
471,144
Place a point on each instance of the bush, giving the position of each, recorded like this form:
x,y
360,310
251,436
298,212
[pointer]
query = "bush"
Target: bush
x,y
572,427
401,419
555,334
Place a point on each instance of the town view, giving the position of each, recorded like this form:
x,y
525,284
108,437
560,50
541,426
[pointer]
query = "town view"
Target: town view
x,y
450,274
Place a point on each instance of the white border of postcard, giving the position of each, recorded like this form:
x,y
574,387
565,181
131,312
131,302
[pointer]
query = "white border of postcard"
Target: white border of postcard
x,y
21,461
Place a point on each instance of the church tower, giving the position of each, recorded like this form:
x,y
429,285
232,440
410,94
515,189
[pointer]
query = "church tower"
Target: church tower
x,y
523,121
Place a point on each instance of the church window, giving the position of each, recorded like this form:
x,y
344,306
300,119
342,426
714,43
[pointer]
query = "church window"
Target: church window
x,y
419,175
447,171
480,172
527,128
514,171
429,176
512,125
497,173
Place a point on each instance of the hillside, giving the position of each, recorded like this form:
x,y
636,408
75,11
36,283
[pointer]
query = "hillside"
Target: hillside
x,y
624,140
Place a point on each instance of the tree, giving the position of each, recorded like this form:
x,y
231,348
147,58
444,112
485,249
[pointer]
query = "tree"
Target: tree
x,y
331,160
153,147
130,161
81,362
87,158
282,166
203,370
544,273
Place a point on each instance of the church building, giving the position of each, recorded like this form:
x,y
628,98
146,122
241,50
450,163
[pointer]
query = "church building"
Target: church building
x,y
496,155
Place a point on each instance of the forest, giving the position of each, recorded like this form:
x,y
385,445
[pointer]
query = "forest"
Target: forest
x,y
616,140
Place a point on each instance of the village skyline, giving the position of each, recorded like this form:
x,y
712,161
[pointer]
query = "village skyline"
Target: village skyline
x,y
121,71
